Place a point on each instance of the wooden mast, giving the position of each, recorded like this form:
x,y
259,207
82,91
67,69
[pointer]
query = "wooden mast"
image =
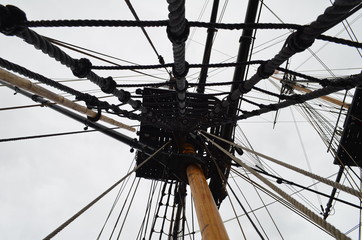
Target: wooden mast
x,y
210,222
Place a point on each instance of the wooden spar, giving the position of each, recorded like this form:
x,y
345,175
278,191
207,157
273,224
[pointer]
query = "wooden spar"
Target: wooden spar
x,y
210,222
326,98
28,85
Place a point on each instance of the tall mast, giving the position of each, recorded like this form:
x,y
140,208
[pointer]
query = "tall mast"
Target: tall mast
x,y
208,216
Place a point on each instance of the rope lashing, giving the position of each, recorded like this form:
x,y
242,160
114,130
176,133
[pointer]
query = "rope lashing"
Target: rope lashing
x,y
314,217
301,171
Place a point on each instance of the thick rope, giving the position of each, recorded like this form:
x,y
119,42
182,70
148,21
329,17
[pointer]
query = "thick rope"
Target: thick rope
x,y
177,32
211,65
80,68
75,216
301,171
155,23
163,23
156,66
314,217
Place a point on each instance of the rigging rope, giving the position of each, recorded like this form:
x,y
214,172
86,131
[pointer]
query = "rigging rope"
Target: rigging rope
x,y
335,86
129,207
314,176
277,199
264,205
264,165
212,65
282,180
314,217
120,191
49,135
123,206
224,180
160,58
306,157
146,218
162,23
155,66
83,51
75,216
296,42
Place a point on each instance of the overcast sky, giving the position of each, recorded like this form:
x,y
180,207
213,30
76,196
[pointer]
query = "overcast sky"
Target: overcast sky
x,y
45,181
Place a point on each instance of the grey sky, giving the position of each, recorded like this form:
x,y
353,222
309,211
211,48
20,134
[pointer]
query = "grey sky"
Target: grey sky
x,y
45,181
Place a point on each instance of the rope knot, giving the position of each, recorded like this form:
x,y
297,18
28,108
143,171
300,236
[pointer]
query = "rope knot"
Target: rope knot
x,y
81,68
12,20
108,85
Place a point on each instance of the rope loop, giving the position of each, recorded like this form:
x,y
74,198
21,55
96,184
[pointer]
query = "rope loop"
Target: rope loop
x,y
81,67
12,20
96,117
